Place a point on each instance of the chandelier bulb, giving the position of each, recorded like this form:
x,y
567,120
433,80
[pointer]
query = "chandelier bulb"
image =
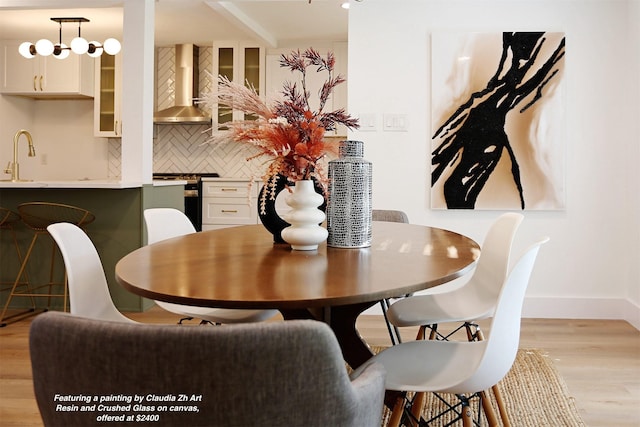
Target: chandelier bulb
x,y
27,49
61,51
112,46
44,47
79,45
95,49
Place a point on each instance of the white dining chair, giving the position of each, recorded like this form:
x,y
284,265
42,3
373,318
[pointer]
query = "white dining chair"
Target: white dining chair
x,y
88,289
476,299
389,215
166,223
460,367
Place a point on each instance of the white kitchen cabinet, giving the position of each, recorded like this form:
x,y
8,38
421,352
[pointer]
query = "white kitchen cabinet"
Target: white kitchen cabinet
x,y
107,120
239,62
228,203
45,76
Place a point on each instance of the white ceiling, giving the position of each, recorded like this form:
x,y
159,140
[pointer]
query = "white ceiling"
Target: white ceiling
x,y
273,22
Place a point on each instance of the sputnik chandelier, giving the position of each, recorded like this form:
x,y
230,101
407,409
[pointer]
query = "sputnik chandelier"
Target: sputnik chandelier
x,y
78,45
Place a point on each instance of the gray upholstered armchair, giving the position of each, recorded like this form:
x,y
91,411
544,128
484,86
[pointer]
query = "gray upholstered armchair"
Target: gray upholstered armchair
x,y
266,374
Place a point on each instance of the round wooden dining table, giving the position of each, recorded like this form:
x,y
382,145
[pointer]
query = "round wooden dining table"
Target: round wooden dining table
x,y
241,267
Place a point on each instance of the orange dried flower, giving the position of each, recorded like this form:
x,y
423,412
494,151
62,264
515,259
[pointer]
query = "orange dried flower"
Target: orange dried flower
x,y
287,132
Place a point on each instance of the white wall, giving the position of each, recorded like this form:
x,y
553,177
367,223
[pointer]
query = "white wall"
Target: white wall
x,y
12,119
633,181
632,210
62,132
590,267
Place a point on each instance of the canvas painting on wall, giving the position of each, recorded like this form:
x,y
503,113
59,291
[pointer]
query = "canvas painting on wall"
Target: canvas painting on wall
x,y
498,125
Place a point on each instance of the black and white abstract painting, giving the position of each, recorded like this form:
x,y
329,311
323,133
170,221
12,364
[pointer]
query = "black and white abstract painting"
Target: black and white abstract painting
x,y
498,124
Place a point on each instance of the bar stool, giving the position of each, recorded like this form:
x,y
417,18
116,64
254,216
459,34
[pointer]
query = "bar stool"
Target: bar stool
x,y
38,216
8,220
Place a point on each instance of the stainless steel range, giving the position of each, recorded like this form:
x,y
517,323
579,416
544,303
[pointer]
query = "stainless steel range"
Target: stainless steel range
x,y
192,193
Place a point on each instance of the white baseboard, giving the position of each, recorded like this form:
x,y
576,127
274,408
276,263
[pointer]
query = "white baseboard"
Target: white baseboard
x,y
572,308
632,314
582,308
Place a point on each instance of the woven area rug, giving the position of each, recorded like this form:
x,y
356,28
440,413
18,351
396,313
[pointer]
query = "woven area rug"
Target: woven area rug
x,y
534,393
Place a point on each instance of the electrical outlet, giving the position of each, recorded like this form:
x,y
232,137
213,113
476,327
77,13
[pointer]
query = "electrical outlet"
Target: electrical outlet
x,y
43,159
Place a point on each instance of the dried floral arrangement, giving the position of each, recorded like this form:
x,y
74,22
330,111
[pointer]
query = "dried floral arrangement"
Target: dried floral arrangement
x,y
287,133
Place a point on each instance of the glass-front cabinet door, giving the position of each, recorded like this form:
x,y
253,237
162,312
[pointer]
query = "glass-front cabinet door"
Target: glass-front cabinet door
x,y
107,121
225,68
239,62
253,71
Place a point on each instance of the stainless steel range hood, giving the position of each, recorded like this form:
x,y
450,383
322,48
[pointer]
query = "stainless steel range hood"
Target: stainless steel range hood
x,y
186,89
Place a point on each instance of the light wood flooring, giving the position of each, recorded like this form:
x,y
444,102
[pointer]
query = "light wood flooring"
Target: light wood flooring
x,y
599,361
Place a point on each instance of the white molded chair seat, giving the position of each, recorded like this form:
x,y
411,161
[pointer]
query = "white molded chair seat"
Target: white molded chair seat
x,y
462,367
166,223
474,300
456,306
217,315
88,289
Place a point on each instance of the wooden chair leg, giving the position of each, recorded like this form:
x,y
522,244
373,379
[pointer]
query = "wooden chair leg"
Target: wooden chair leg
x,y
497,394
501,406
421,333
396,414
467,327
488,409
434,332
467,414
480,335
418,404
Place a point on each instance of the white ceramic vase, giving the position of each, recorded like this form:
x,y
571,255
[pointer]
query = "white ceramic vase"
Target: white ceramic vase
x,y
304,233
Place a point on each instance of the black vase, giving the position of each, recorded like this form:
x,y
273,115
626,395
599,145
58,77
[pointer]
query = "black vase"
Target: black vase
x,y
267,205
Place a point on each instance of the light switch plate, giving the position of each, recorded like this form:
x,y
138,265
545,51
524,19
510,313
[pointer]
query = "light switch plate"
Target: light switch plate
x,y
368,122
393,122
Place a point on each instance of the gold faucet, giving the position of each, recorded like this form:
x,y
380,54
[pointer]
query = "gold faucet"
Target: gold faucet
x,y
14,168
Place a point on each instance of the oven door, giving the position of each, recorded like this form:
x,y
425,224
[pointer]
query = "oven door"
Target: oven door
x,y
193,204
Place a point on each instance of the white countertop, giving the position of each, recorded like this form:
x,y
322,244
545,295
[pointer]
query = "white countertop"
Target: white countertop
x,y
85,183
229,178
168,182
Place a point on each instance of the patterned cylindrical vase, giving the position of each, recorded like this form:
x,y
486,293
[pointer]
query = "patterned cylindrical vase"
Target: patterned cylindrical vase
x,y
349,207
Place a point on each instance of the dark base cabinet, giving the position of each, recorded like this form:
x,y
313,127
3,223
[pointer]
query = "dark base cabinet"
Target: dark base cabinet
x,y
117,230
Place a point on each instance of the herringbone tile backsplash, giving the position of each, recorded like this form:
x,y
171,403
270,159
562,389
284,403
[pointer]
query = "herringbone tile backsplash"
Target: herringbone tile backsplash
x,y
183,148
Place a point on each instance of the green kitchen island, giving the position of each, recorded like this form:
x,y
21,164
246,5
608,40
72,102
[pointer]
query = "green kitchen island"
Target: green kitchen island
x,y
117,230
